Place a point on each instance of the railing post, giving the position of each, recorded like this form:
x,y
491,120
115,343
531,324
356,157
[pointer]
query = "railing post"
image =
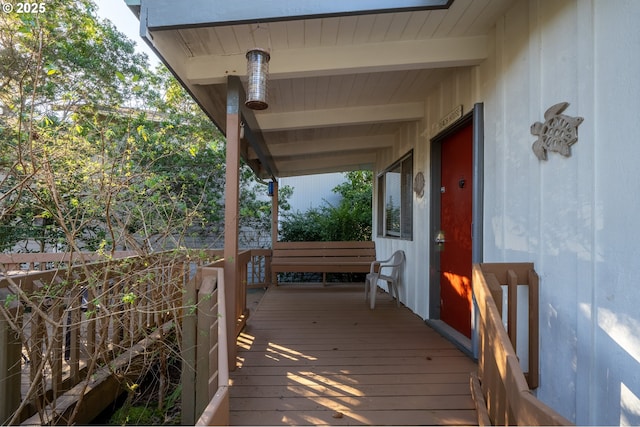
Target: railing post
x,y
267,269
534,330
241,310
206,351
216,411
10,364
189,345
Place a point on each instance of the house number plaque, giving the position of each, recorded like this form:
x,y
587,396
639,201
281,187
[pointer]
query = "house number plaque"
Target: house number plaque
x,y
451,117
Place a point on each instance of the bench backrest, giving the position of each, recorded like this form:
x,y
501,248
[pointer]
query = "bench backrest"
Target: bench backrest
x,y
351,249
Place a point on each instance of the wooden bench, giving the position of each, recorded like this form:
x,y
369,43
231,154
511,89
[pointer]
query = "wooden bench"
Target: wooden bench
x,y
322,257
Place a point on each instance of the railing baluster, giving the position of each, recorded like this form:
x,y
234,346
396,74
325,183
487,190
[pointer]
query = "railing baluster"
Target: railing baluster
x,y
90,315
512,322
56,340
116,307
534,330
10,360
157,308
36,339
72,350
132,331
162,276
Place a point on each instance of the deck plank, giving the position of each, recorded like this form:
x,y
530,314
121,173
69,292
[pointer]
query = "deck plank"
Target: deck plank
x,y
319,356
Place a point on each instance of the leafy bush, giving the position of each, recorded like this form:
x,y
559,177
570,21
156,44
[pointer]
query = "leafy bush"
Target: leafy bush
x,y
99,152
349,220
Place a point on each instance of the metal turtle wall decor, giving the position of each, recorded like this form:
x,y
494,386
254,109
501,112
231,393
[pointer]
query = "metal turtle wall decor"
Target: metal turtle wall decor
x,y
558,133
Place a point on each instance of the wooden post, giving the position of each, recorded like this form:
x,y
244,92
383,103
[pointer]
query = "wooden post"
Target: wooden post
x,y
231,210
274,214
10,364
274,224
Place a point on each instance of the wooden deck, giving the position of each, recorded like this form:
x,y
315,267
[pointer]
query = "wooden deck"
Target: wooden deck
x,y
320,356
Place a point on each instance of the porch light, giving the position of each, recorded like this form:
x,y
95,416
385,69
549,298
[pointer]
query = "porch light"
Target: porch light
x,y
258,72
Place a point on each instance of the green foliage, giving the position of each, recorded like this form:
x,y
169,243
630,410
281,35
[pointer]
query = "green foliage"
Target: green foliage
x,y
350,220
97,151
137,415
129,298
56,133
306,226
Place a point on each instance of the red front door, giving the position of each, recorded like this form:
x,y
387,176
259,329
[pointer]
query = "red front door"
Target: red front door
x,y
455,223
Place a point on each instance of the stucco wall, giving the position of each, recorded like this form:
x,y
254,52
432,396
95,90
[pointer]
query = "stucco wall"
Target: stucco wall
x,y
576,217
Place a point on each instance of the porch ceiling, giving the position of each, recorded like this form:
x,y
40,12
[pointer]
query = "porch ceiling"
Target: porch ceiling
x,y
341,83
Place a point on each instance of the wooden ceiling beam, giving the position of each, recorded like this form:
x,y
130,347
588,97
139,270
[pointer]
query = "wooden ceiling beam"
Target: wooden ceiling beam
x,y
308,165
347,59
330,146
270,122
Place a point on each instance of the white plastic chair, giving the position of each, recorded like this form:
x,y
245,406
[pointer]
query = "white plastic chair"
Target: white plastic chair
x,y
390,266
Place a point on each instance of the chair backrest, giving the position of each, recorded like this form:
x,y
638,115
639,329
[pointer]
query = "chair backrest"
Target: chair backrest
x,y
397,260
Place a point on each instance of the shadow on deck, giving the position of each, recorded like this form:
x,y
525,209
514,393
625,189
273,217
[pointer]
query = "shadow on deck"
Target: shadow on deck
x,y
320,356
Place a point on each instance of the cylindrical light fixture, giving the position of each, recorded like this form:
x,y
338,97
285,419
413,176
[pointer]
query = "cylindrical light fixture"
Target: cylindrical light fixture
x,y
258,72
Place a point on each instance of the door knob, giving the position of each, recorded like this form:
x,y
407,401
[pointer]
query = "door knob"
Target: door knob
x,y
440,240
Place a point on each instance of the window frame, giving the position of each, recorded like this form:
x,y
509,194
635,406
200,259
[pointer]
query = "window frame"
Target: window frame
x,y
403,166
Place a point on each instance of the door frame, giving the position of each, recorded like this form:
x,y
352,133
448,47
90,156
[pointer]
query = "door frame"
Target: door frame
x,y
476,117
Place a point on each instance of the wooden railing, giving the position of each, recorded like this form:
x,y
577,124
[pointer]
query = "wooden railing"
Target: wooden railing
x,y
73,328
501,389
205,372
258,267
205,340
29,262
77,325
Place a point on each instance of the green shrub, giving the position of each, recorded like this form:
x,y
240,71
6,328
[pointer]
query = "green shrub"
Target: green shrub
x,y
349,220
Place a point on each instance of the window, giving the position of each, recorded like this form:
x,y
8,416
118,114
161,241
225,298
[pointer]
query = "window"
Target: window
x,y
395,201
